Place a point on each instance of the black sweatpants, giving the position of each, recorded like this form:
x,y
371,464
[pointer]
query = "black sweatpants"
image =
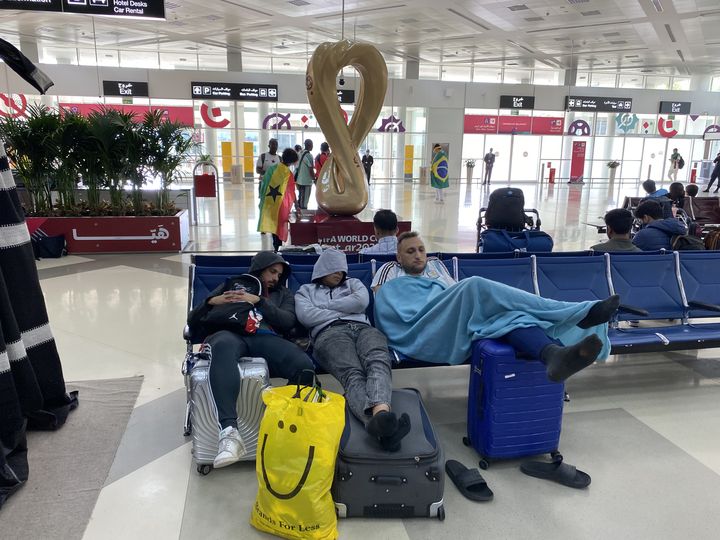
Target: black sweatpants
x,y
285,359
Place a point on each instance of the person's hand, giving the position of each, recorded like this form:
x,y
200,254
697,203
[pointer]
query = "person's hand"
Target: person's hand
x,y
230,297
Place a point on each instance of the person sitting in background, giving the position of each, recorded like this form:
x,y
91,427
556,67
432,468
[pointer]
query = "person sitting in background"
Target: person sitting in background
x,y
226,345
619,223
385,224
652,190
428,316
714,175
657,232
676,194
333,308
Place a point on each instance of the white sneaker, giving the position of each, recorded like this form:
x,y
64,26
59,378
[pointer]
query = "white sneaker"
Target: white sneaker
x,y
230,448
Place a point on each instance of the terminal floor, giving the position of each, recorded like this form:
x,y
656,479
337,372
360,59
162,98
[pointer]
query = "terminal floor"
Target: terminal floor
x,y
645,427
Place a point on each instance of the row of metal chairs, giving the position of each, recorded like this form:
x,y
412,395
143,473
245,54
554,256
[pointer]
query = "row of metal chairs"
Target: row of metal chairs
x,y
659,286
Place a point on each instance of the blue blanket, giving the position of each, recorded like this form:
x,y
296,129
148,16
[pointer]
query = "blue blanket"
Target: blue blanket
x,y
427,321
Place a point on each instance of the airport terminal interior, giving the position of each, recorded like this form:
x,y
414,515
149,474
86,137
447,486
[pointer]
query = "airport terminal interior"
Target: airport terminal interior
x,y
579,102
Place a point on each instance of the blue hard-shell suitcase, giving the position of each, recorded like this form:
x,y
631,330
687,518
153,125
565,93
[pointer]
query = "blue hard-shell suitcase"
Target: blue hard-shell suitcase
x,y
514,410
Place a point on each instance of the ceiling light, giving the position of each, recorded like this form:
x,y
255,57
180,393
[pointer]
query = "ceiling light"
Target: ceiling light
x,y
518,7
590,13
670,33
299,3
657,5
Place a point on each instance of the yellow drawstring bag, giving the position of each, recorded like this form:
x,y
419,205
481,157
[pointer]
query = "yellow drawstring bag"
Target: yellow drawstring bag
x,y
297,447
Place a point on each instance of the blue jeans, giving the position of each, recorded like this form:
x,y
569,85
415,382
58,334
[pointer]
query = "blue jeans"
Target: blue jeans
x,y
357,355
529,342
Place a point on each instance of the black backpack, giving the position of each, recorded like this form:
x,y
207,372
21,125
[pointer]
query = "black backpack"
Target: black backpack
x,y
685,242
238,317
681,163
506,210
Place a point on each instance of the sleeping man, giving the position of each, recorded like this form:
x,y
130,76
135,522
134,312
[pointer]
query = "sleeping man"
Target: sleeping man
x,y
427,316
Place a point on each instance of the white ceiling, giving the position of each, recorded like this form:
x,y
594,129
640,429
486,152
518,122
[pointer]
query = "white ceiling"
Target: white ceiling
x,y
593,34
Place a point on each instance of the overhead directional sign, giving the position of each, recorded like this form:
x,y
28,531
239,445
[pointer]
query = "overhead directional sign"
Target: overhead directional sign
x,y
675,107
234,91
346,96
598,104
125,89
145,9
517,102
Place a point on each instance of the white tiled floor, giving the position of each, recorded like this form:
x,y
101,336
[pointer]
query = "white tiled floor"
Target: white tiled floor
x,y
113,318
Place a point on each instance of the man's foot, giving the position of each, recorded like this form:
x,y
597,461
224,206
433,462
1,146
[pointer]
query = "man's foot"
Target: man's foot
x,y
392,443
706,190
562,362
601,312
715,191
382,424
230,448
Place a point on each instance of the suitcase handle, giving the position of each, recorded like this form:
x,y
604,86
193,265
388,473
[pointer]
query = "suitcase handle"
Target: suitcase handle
x,y
388,480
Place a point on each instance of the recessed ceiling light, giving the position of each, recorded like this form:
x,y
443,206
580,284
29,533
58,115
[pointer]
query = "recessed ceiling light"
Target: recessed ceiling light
x,y
299,3
590,13
518,7
183,59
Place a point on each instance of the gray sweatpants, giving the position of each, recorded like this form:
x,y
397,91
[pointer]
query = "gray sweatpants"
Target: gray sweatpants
x,y
357,355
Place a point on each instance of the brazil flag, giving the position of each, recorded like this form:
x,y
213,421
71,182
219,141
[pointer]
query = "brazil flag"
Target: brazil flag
x,y
277,195
440,170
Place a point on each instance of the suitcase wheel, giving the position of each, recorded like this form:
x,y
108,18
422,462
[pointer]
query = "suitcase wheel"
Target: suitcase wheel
x,y
441,513
484,464
204,470
466,441
556,456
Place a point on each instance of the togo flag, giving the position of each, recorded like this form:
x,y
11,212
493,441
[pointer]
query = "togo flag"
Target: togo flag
x,y
440,171
277,195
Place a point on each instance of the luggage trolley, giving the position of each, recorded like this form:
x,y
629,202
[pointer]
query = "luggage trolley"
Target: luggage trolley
x,y
206,186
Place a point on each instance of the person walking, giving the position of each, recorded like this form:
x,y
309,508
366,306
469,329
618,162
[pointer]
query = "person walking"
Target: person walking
x,y
715,174
267,159
367,161
439,173
489,160
277,196
321,158
305,175
675,158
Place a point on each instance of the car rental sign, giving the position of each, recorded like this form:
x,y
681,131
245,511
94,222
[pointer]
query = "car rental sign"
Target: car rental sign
x,y
146,9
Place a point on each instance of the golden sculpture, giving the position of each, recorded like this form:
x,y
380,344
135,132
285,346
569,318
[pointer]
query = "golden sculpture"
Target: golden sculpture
x,y
341,186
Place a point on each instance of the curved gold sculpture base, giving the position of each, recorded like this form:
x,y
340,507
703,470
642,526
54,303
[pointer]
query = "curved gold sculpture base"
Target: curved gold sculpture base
x,y
341,186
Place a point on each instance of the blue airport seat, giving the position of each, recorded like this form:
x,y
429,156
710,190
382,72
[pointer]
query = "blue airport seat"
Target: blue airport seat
x,y
221,260
573,279
518,273
700,273
562,254
499,255
204,279
649,282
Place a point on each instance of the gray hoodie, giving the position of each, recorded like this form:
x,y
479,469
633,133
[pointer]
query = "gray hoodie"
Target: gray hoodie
x,y
317,306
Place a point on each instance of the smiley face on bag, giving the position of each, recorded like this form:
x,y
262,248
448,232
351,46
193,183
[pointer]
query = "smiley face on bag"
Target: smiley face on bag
x,y
289,430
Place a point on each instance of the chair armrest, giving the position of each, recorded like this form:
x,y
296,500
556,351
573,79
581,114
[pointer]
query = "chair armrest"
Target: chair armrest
x,y
702,305
187,335
633,310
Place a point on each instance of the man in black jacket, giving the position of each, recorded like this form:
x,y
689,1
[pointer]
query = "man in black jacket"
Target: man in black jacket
x,y
276,305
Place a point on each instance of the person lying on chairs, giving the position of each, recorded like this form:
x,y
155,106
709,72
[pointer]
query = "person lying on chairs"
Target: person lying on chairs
x,y
259,335
333,308
427,316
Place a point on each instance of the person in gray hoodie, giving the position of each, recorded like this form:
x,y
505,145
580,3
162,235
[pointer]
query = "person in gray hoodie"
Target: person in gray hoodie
x,y
276,305
333,308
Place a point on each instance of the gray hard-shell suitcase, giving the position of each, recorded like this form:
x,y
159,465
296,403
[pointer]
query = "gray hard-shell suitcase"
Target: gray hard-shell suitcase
x,y
372,482
201,414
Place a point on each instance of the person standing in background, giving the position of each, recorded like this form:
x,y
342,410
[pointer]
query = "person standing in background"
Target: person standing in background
x,y
489,160
715,174
321,158
367,161
305,175
277,196
439,173
267,159
675,158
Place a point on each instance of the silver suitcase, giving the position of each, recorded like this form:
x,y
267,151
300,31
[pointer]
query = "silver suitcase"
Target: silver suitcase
x,y
201,419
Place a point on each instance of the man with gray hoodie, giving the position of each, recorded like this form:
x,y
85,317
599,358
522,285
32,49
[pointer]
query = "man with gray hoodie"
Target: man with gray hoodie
x,y
333,308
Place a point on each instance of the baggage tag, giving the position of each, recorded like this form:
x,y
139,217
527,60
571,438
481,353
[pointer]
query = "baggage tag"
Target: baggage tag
x,y
510,376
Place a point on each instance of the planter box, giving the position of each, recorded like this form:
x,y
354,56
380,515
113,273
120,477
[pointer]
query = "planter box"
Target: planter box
x,y
117,234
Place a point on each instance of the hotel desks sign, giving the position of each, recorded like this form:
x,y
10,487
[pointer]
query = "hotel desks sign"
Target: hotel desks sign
x,y
675,107
234,91
517,102
146,9
126,89
598,104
